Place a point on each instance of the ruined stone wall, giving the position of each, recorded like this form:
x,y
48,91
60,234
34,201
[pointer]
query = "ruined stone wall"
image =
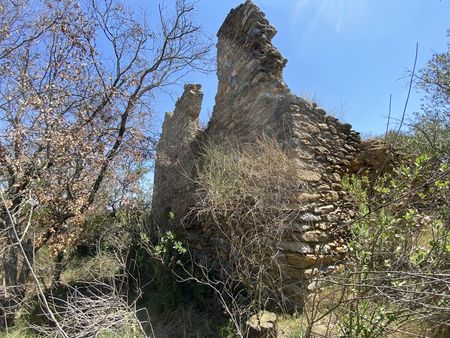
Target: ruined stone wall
x,y
252,99
174,165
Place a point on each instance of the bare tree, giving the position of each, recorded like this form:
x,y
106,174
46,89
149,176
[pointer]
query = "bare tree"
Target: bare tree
x,y
76,81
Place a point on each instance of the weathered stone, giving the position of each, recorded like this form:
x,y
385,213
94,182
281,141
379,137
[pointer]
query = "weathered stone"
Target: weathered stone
x,y
262,325
341,249
324,226
322,150
294,290
324,209
299,247
300,261
314,286
307,197
310,236
336,178
300,155
293,271
309,218
322,249
336,186
308,175
323,187
253,100
296,206
174,161
311,273
375,156
331,196
309,128
305,142
320,111
280,257
301,227
307,261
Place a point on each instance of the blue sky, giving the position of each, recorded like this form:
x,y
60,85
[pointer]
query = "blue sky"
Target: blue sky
x,y
349,54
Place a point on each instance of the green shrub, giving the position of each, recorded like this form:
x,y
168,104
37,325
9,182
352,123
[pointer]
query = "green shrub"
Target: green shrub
x,y
399,251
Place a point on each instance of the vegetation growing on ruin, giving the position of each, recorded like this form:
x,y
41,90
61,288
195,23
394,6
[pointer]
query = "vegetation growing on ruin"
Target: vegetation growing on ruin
x,y
81,256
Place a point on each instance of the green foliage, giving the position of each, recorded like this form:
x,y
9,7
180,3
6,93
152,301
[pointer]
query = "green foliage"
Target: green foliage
x,y
19,332
400,237
129,331
366,320
161,267
161,291
298,331
176,308
226,331
398,213
169,248
100,266
293,326
427,134
434,80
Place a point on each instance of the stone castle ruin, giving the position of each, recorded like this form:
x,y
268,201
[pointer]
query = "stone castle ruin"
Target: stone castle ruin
x,y
252,99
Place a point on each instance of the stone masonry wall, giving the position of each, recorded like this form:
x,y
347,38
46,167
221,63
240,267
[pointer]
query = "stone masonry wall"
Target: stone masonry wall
x,y
174,164
252,99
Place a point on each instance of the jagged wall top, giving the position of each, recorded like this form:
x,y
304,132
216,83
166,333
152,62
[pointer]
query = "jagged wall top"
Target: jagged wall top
x,y
174,158
250,34
249,70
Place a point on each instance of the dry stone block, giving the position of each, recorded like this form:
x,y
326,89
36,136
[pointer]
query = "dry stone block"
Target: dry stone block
x,y
307,261
311,236
309,176
299,247
309,218
307,197
324,209
293,272
262,325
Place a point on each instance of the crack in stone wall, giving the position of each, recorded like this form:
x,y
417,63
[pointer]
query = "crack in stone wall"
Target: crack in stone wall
x,y
252,99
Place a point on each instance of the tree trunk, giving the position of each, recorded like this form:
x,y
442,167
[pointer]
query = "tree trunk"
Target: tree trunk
x,y
12,291
59,265
8,294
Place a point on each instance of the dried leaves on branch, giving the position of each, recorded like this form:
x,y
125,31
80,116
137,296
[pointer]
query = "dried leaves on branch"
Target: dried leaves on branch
x,y
77,81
